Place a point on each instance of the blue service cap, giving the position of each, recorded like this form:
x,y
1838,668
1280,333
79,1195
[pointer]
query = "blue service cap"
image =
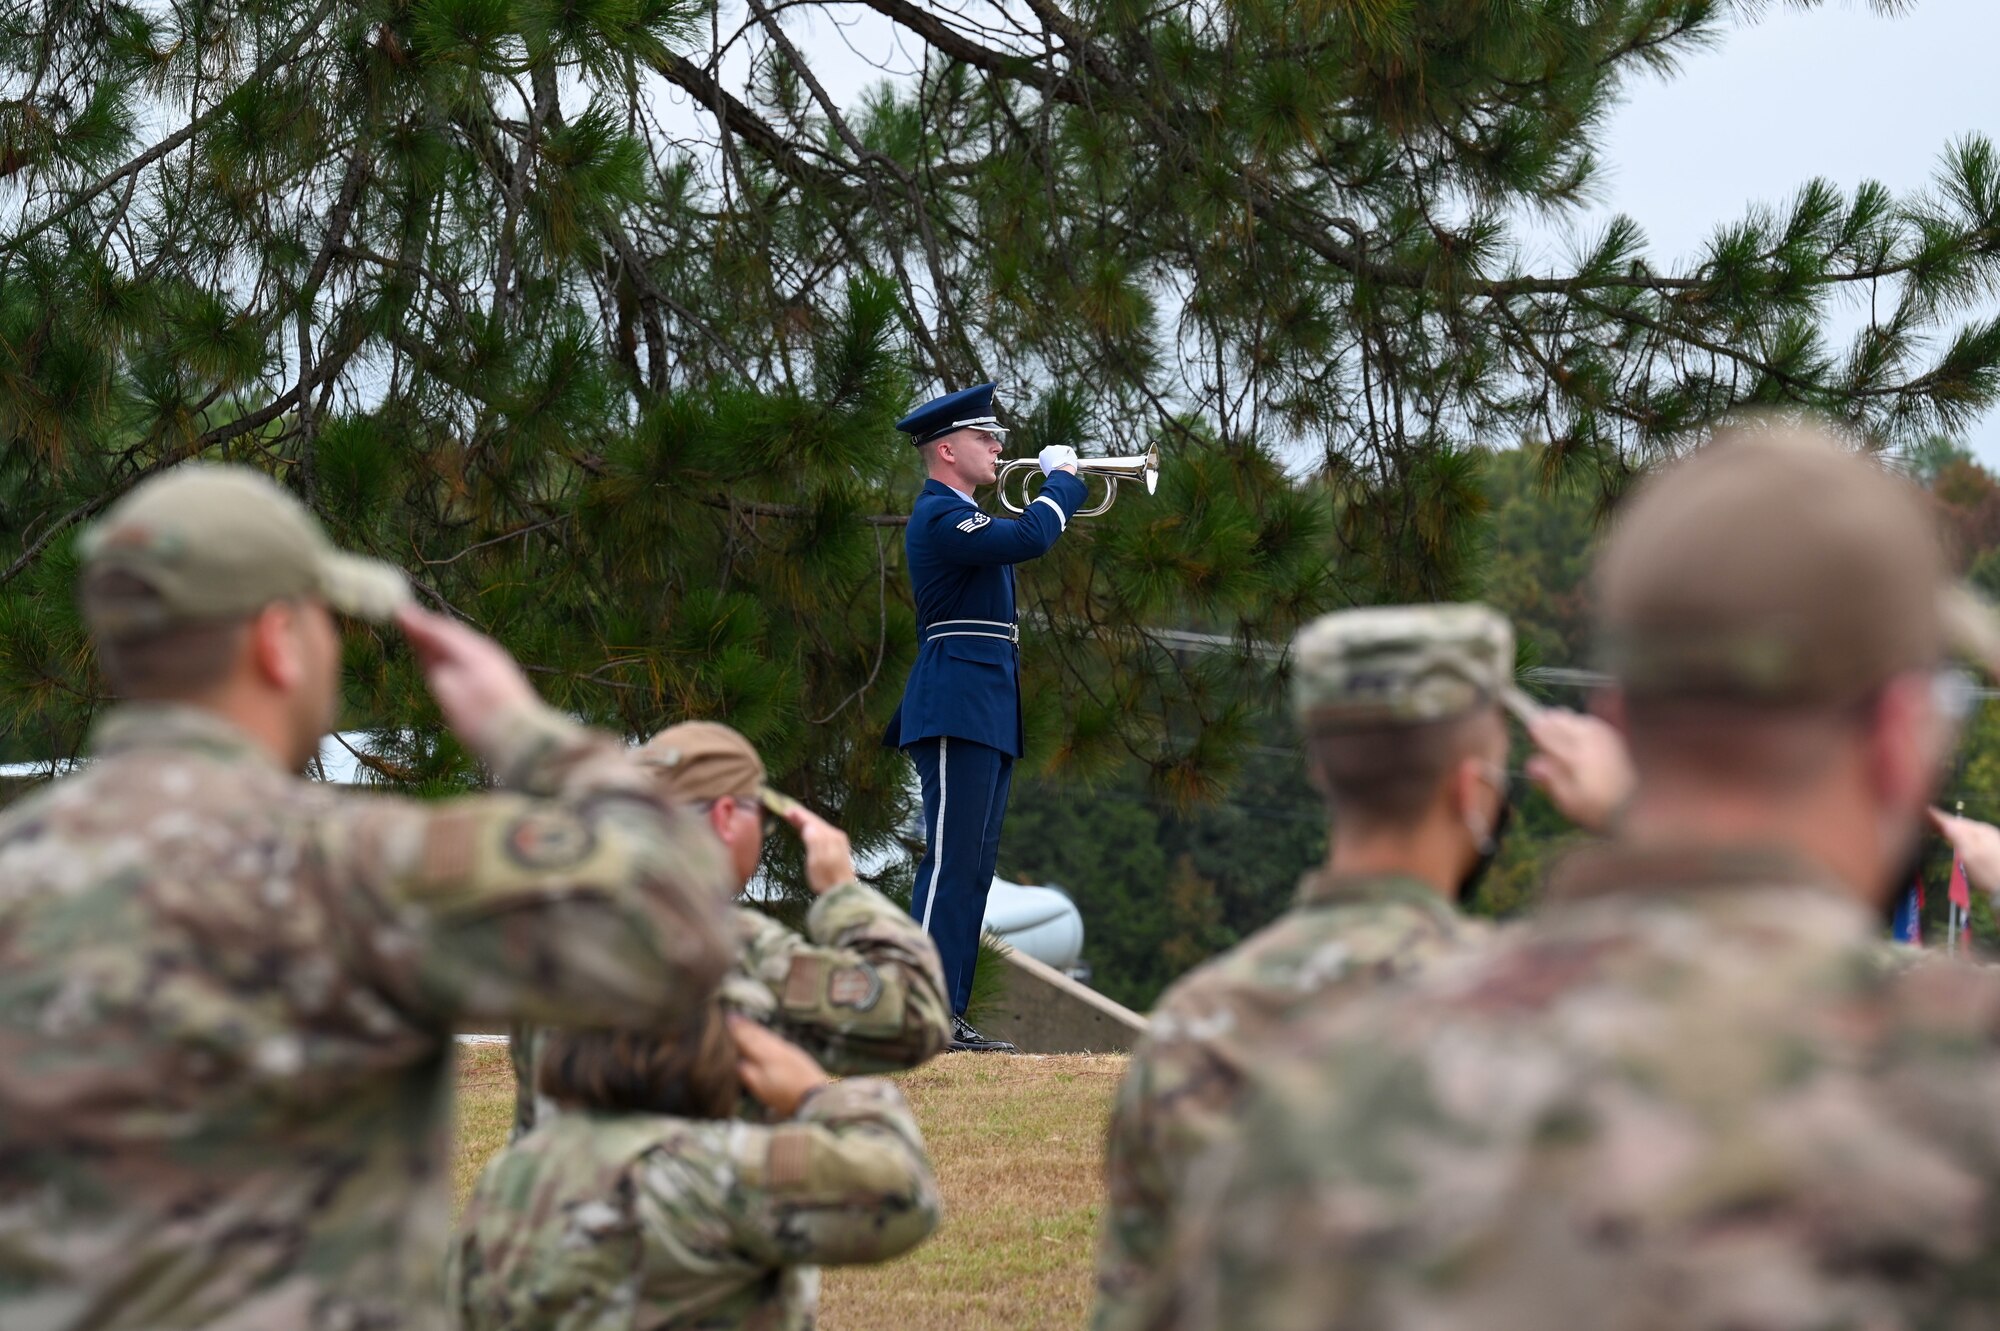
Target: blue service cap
x,y
968,408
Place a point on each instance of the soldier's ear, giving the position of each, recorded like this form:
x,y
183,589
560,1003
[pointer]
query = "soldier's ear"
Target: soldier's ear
x,y
1907,741
1470,791
276,645
716,813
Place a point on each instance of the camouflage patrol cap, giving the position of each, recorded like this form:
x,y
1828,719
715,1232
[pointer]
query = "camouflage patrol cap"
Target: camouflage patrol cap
x,y
1774,564
698,761
1401,664
222,542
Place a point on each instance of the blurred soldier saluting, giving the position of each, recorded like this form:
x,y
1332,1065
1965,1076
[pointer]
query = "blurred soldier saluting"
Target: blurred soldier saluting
x,y
1404,734
229,997
647,1203
860,991
1686,1095
960,719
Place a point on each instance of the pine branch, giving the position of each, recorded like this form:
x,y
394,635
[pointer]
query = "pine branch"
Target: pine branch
x,y
201,443
389,771
635,268
941,282
504,537
764,510
265,69
881,636
950,42
87,509
740,120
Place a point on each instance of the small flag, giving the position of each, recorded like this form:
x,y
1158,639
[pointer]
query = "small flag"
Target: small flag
x,y
1960,916
1909,925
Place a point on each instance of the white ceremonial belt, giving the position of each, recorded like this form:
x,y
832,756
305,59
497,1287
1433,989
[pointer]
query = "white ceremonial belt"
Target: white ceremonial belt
x,y
973,628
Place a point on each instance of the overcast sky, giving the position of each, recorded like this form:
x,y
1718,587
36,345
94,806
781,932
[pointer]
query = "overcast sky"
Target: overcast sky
x,y
1839,91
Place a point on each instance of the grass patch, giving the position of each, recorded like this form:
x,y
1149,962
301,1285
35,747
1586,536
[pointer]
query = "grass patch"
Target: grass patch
x,y
485,1114
1018,1142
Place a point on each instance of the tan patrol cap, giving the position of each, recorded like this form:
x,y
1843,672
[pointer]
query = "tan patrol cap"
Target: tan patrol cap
x,y
698,761
1774,564
222,542
1401,665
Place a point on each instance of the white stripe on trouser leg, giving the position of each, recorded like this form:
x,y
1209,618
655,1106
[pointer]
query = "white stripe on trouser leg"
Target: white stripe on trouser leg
x,y
1062,519
937,833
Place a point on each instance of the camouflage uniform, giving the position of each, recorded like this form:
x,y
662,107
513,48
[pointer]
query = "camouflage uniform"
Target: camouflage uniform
x,y
1208,1038
1690,1094
594,1222
227,999
862,990
1212,1033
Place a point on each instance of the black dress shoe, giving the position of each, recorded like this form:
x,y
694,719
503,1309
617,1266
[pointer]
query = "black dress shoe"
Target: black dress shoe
x,y
966,1040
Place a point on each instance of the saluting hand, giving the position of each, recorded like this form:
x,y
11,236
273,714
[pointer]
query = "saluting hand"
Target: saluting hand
x,y
476,683
1581,764
829,857
1977,846
775,1072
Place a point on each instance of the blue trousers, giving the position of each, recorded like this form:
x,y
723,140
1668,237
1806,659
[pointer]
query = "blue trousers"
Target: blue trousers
x,y
965,798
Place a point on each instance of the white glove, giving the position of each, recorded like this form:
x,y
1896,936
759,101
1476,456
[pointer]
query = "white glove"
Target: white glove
x,y
1057,456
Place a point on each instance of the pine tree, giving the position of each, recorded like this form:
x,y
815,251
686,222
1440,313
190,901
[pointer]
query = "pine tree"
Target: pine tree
x,y
594,316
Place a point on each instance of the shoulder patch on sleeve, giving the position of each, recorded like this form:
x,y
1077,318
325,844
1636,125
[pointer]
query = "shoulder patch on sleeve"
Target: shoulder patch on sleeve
x,y
854,987
802,981
791,1157
549,840
974,522
451,843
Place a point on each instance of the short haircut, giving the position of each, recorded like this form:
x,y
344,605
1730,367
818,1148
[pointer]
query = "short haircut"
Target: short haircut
x,y
1388,775
175,661
686,1072
1742,744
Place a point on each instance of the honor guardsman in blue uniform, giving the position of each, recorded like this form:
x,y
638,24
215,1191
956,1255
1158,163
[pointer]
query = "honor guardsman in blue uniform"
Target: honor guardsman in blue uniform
x,y
960,721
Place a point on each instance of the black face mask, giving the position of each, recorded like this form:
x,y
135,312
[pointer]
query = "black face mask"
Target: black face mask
x,y
1468,886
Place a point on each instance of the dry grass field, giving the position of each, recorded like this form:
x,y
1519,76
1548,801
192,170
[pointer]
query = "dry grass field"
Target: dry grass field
x,y
1016,1141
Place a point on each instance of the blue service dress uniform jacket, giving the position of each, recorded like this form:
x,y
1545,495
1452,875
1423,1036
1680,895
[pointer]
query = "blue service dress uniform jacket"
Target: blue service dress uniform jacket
x,y
960,720
966,682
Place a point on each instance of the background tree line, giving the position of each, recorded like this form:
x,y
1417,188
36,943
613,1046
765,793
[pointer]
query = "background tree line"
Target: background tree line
x,y
594,315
